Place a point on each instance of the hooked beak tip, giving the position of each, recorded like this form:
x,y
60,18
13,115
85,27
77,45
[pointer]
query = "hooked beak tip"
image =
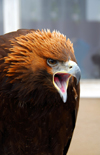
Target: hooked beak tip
x,y
75,71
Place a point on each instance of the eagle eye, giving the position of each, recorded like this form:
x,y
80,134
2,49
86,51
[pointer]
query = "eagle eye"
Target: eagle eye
x,y
52,62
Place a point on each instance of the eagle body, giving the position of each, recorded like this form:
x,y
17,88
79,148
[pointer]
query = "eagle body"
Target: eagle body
x,y
35,116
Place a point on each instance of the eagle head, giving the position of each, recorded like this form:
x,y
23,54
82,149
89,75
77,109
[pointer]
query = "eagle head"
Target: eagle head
x,y
42,59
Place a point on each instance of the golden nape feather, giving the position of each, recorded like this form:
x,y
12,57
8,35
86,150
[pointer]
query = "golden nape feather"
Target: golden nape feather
x,y
39,92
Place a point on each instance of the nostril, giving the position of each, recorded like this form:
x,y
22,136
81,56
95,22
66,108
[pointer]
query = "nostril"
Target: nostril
x,y
70,67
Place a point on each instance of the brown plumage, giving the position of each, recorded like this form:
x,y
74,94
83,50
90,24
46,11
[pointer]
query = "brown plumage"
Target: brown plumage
x,y
34,120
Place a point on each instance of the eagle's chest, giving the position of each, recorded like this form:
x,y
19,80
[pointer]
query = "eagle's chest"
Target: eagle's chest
x,y
49,130
44,131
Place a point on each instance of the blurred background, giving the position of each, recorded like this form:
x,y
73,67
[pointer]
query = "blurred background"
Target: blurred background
x,y
79,20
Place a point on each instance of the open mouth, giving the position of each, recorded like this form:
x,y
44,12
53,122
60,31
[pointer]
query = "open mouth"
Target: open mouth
x,y
61,81
61,78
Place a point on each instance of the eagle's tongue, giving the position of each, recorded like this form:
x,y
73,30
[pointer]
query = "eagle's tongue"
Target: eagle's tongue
x,y
63,88
61,81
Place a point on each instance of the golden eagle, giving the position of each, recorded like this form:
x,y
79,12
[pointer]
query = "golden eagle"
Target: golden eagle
x,y
39,92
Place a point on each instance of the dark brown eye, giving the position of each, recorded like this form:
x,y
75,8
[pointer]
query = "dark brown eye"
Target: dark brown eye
x,y
52,62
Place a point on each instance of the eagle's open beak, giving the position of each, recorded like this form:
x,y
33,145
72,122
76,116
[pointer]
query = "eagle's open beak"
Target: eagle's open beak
x,y
61,78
